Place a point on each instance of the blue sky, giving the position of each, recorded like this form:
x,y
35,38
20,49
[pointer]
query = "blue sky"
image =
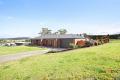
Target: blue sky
x,y
27,17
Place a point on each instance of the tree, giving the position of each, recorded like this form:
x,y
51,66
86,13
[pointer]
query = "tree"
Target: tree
x,y
45,31
62,31
48,31
1,41
55,33
85,35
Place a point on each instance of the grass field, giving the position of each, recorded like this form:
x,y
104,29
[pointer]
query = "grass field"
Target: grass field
x,y
95,63
16,49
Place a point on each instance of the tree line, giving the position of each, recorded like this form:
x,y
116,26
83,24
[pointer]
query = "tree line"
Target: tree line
x,y
48,31
113,36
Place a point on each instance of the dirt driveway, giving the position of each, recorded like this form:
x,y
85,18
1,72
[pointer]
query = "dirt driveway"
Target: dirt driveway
x,y
11,57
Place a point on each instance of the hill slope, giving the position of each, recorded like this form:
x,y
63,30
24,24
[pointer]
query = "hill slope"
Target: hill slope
x,y
100,62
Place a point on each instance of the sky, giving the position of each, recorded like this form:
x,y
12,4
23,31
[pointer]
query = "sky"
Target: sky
x,y
25,18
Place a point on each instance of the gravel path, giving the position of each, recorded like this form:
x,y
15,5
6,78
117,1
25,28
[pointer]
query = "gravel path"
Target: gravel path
x,y
11,57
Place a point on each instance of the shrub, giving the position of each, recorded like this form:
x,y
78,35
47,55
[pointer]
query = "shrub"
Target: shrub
x,y
74,46
52,51
87,44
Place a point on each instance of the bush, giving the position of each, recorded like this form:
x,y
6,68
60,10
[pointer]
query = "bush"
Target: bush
x,y
52,51
87,44
74,46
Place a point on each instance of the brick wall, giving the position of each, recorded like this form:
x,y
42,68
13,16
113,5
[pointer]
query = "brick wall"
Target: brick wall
x,y
80,42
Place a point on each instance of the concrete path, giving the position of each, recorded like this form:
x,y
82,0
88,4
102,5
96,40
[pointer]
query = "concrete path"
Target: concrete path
x,y
11,57
56,49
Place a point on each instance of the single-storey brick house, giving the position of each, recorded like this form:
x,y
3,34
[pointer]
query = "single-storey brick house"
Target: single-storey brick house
x,y
59,41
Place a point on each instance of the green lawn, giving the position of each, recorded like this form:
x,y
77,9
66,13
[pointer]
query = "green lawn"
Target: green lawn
x,y
16,49
101,63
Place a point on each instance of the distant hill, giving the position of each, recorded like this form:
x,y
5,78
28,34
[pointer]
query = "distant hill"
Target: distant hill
x,y
16,38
